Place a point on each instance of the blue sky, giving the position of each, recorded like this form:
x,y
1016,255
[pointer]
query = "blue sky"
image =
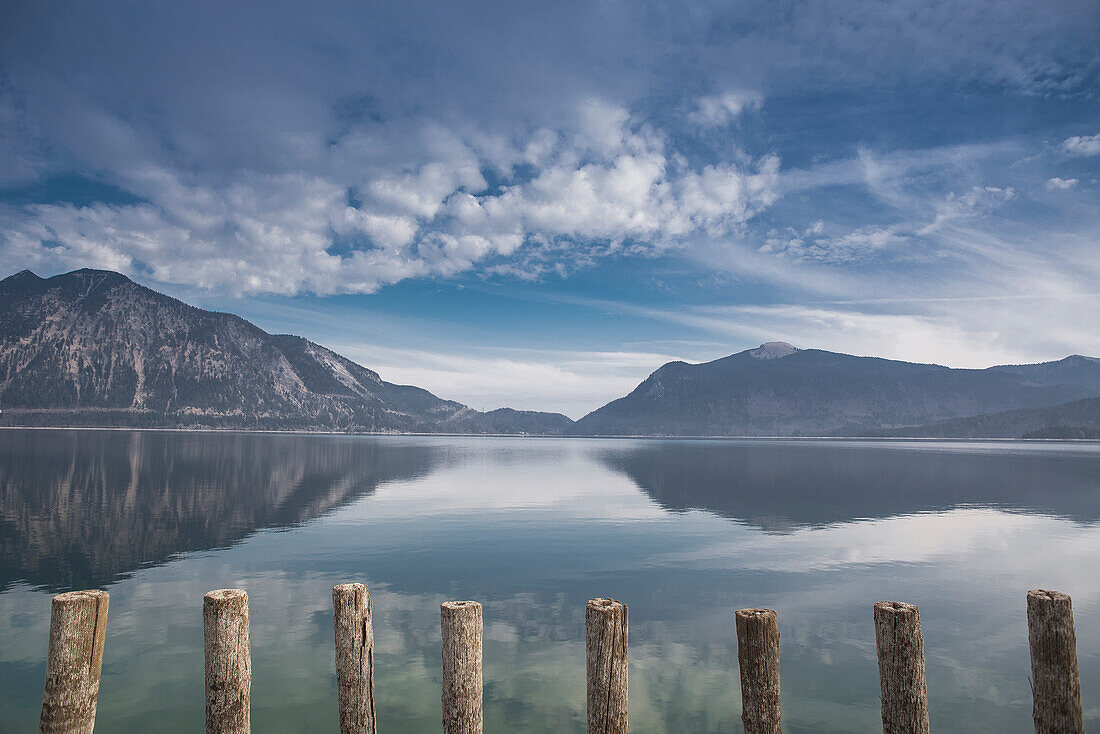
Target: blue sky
x,y
536,205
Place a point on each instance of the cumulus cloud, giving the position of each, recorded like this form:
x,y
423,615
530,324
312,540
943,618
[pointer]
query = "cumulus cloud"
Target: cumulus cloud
x,y
1082,145
1061,184
722,109
354,151
607,183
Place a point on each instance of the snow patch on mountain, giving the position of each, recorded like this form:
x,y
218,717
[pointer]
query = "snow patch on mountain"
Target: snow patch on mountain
x,y
773,350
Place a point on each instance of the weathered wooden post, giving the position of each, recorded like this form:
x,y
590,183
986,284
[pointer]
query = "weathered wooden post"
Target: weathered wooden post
x,y
901,668
228,661
758,659
461,626
605,640
351,617
78,633
1056,685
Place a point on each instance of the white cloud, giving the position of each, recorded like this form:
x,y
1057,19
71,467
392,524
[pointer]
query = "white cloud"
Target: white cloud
x,y
885,174
1082,145
607,185
1061,184
977,202
858,245
880,241
722,109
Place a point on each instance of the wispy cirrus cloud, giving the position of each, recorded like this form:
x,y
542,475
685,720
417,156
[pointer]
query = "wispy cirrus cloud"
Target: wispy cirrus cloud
x,y
815,243
565,381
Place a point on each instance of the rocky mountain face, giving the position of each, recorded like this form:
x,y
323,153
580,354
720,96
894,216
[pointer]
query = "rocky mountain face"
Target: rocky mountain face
x,y
94,348
777,389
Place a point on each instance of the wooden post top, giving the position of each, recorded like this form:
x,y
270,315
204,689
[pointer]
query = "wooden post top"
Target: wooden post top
x,y
71,597
755,613
895,607
454,606
604,605
348,587
1046,595
229,599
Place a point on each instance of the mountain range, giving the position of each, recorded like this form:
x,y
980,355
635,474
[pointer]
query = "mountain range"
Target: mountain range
x,y
94,348
778,390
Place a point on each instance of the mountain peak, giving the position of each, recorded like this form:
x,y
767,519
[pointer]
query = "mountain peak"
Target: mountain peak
x,y
23,276
108,276
773,350
20,284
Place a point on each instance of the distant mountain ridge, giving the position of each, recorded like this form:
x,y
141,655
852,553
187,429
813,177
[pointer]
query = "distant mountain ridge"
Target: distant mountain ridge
x,y
779,390
92,347
1076,419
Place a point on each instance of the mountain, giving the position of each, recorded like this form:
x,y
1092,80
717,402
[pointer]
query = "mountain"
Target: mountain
x,y
92,347
777,389
1077,419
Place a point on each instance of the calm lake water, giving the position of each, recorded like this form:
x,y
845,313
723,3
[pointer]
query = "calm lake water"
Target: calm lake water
x,y
684,532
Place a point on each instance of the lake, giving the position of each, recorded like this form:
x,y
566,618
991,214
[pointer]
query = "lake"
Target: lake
x,y
683,531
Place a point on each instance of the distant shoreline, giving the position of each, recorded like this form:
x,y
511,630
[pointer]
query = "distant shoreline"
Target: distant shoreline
x,y
397,434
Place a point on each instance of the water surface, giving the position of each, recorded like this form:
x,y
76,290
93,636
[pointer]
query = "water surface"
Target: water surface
x,y
683,531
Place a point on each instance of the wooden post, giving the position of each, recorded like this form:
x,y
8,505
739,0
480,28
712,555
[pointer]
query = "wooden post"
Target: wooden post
x,y
901,668
461,626
228,661
758,659
351,617
78,630
606,665
1056,686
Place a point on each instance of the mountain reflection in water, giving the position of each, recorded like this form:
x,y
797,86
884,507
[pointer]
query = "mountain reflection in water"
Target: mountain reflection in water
x,y
779,485
79,509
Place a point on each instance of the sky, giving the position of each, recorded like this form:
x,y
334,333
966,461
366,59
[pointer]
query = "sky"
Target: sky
x,y
538,204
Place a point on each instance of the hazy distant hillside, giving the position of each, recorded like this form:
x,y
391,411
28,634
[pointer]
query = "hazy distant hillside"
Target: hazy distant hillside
x,y
1073,370
779,390
1077,419
506,420
94,348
